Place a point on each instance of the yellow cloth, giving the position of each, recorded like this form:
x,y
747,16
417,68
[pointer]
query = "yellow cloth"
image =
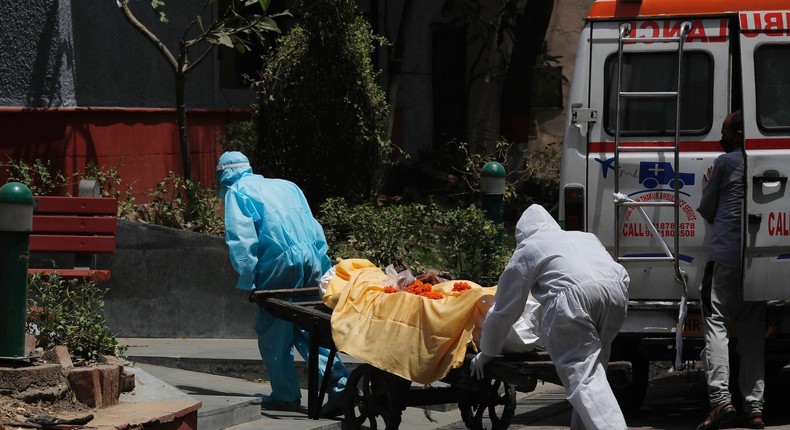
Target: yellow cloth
x,y
414,337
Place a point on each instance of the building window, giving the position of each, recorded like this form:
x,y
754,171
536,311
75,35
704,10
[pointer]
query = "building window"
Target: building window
x,y
546,87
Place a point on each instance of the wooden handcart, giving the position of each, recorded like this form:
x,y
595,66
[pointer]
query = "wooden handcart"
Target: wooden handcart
x,y
375,396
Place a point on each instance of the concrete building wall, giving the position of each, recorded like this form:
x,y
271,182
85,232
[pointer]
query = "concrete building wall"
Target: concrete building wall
x,y
411,88
37,54
562,38
117,66
65,53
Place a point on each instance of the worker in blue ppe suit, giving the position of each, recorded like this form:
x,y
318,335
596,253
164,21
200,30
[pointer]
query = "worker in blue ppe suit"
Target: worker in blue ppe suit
x,y
275,243
584,296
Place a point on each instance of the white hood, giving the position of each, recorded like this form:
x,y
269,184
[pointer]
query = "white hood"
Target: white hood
x,y
534,219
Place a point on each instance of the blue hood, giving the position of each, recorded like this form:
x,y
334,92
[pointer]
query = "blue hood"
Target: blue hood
x,y
231,167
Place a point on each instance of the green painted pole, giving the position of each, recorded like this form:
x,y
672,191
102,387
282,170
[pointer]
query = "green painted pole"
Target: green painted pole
x,y
16,223
492,186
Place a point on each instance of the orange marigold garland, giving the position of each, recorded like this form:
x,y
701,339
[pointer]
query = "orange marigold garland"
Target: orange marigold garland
x,y
425,289
461,286
419,288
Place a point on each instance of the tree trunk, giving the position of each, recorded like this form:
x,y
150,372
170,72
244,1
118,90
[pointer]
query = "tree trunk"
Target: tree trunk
x,y
181,118
529,34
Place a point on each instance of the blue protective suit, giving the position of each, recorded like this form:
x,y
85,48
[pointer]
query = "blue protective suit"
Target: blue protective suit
x,y
274,243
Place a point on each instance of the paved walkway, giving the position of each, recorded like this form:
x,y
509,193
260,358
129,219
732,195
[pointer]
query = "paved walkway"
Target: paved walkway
x,y
225,374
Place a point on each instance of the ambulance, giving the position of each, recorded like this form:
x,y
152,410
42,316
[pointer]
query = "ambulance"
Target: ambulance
x,y
651,86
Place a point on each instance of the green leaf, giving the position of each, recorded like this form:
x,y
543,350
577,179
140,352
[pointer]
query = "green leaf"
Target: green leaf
x,y
265,4
267,24
224,39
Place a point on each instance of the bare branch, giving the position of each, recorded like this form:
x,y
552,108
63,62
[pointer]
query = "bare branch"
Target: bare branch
x,y
150,36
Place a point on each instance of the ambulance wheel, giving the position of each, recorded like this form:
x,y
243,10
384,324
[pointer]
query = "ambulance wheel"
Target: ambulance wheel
x,y
371,396
496,397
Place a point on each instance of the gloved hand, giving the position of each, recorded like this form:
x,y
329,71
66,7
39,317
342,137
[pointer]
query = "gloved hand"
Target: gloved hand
x,y
478,363
245,296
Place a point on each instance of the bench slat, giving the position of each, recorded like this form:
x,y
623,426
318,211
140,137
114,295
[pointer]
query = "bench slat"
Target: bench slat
x,y
74,224
72,243
95,275
76,205
82,226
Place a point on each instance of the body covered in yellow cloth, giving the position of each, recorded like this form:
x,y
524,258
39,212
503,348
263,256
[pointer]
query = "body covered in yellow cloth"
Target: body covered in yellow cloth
x,y
411,336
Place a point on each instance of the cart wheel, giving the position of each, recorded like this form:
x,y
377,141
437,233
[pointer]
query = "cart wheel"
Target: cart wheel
x,y
498,397
371,394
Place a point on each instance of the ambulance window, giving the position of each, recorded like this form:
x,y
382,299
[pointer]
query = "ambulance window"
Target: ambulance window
x,y
772,72
657,72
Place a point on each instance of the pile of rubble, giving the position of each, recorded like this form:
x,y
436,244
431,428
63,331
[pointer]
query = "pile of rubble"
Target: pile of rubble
x,y
52,386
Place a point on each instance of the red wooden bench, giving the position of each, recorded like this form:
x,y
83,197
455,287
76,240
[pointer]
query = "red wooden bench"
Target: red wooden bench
x,y
82,226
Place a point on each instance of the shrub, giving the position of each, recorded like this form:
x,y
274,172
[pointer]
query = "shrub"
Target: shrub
x,y
112,186
460,244
70,313
470,245
532,176
168,206
322,115
40,177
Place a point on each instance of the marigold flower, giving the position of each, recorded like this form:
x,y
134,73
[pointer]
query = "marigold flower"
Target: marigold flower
x,y
461,286
389,289
432,295
423,289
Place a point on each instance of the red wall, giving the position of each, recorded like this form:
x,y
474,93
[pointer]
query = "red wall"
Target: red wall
x,y
141,143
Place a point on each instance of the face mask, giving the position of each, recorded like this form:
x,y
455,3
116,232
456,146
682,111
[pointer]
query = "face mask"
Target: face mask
x,y
725,145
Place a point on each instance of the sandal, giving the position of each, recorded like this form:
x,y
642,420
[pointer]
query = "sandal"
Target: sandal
x,y
720,414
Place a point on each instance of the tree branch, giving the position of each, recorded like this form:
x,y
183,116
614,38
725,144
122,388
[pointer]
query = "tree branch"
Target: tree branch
x,y
150,36
192,23
202,57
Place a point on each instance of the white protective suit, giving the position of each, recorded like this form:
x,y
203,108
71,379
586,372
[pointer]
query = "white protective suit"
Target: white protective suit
x,y
584,296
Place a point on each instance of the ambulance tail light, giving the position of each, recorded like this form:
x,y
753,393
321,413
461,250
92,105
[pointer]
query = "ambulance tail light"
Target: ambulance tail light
x,y
574,207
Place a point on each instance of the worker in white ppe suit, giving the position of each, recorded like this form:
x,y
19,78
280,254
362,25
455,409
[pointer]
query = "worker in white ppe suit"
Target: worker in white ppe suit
x,y
584,296
275,243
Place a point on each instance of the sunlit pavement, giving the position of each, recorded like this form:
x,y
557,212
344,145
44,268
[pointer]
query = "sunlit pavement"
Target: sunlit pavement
x,y
674,401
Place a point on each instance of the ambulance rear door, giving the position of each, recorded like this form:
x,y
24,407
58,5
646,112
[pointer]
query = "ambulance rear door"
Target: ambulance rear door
x,y
765,45
648,176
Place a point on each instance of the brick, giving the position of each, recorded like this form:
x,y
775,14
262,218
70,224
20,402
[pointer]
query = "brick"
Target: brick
x,y
59,355
110,359
30,344
85,382
110,377
127,382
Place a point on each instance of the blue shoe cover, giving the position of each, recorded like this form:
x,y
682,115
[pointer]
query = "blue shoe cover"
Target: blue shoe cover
x,y
278,405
